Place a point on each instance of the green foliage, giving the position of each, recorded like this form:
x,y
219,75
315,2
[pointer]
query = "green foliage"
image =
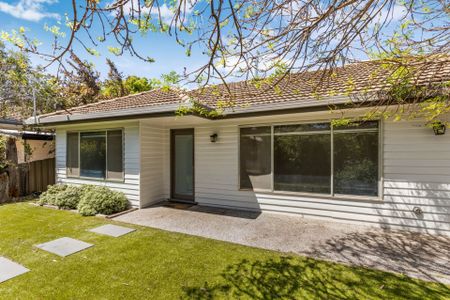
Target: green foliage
x,y
70,197
114,50
170,79
19,79
82,85
88,199
362,171
62,195
135,84
342,122
131,85
101,200
113,86
51,196
198,109
55,30
3,162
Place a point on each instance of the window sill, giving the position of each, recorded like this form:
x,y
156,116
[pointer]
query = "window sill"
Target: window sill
x,y
318,196
97,179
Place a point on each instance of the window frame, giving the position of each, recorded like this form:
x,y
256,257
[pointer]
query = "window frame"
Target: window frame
x,y
105,179
331,195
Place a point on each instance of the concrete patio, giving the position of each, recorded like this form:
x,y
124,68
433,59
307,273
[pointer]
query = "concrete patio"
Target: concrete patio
x,y
418,255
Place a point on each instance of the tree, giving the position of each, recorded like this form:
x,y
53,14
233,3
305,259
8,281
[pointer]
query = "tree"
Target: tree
x,y
252,39
135,84
21,82
113,86
81,85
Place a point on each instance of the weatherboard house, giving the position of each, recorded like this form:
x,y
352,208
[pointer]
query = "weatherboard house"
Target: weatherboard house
x,y
276,150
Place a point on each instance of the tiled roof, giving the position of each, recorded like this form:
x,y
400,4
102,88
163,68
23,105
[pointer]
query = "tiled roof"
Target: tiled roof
x,y
146,99
357,78
351,79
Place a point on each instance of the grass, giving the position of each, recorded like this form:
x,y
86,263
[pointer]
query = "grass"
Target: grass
x,y
154,264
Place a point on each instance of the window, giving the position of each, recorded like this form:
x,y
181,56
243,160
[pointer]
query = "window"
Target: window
x,y
356,160
72,154
311,158
256,171
97,154
302,160
114,154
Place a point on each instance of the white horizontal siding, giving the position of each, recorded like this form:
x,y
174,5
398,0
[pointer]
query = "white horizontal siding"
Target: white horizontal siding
x,y
416,171
130,184
154,149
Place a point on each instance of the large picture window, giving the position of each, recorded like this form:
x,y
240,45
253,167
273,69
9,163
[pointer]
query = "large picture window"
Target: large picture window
x,y
96,154
311,158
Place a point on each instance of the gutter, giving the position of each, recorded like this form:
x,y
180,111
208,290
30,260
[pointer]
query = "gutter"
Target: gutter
x,y
10,122
133,113
28,135
302,104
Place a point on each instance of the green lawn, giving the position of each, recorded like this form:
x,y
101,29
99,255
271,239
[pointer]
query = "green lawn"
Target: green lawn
x,y
154,264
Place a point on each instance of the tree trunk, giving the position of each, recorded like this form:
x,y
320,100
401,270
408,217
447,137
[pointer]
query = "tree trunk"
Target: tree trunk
x,y
13,168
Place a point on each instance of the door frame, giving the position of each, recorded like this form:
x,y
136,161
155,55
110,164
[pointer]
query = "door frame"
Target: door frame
x,y
173,195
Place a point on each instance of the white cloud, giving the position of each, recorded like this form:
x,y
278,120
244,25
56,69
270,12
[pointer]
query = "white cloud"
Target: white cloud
x,y
165,12
30,10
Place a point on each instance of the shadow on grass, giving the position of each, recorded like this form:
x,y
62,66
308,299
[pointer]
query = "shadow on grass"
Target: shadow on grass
x,y
305,278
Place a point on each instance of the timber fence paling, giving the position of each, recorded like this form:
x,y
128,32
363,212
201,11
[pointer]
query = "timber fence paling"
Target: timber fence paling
x,y
36,176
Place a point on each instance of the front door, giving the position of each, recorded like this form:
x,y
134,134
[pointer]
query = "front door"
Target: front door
x,y
182,164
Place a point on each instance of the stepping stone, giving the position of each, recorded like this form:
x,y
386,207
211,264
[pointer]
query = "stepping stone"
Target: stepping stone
x,y
10,269
112,230
64,246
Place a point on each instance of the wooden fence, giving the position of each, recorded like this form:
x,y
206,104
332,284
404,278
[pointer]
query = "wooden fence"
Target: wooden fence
x,y
36,176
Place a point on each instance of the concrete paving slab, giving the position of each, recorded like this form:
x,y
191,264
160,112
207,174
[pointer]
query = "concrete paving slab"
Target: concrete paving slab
x,y
112,230
64,246
10,269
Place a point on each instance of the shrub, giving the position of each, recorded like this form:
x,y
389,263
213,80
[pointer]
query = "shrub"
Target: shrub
x,y
70,197
61,195
101,200
52,194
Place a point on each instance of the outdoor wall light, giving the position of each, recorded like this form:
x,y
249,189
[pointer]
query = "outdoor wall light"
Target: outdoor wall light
x,y
213,137
438,128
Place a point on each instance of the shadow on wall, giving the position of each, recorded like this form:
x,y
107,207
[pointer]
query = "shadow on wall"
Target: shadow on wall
x,y
423,207
420,255
304,278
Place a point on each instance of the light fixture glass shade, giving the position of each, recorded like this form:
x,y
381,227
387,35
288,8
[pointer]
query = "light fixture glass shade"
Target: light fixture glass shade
x,y
439,128
213,138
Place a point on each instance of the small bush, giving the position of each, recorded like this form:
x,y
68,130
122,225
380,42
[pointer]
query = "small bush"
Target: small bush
x,y
101,200
52,194
70,197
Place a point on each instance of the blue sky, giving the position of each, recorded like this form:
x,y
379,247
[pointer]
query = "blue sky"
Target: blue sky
x,y
169,56
34,14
